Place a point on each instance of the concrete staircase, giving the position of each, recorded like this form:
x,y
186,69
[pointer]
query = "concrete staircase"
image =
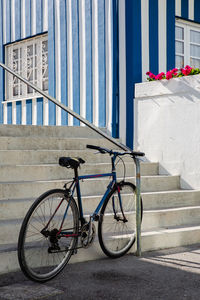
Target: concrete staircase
x,y
29,166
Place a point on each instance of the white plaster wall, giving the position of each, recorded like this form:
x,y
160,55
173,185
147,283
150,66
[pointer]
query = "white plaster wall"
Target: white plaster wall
x,y
167,126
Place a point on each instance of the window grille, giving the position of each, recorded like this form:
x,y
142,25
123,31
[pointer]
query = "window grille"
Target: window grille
x,y
29,58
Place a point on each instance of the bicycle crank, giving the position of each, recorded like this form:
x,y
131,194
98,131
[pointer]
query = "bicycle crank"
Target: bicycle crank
x,y
87,235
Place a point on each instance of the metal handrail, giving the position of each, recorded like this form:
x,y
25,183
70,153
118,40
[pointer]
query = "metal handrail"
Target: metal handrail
x,y
96,129
67,109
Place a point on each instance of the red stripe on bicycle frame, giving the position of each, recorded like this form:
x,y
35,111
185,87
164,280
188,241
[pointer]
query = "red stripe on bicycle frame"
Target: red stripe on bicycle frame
x,y
70,235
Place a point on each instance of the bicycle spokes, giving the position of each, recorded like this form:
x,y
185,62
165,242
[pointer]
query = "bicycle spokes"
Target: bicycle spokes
x,y
45,246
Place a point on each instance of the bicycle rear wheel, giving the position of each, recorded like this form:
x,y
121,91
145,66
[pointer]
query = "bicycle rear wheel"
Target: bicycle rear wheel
x,y
43,251
116,229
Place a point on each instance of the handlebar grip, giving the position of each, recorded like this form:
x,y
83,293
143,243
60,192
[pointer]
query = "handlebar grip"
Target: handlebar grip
x,y
92,147
136,153
96,148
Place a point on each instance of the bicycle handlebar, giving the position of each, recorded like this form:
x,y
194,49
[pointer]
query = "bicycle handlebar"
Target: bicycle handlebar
x,y
111,152
101,150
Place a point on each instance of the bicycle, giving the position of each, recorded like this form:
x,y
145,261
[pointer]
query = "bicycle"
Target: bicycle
x,y
54,228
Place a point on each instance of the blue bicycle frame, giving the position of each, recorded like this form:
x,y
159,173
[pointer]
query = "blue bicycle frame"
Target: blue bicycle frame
x,y
76,186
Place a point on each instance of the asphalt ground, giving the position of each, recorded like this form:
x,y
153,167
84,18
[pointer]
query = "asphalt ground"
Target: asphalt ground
x,y
172,274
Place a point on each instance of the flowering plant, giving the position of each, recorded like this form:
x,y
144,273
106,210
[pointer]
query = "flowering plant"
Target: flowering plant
x,y
173,73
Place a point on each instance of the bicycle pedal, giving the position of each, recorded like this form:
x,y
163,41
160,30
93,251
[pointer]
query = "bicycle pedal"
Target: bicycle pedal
x,y
75,251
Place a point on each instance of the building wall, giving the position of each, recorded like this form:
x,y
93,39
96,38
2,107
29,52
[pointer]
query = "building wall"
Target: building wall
x,y
167,126
95,59
167,112
188,9
150,42
150,26
80,54
21,19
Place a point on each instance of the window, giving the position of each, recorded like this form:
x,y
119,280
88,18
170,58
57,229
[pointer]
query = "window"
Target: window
x,y
187,44
29,58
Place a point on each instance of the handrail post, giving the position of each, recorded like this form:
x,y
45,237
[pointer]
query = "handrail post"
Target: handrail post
x,y
138,207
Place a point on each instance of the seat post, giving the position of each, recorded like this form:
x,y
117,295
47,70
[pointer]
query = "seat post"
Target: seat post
x,y
78,191
76,173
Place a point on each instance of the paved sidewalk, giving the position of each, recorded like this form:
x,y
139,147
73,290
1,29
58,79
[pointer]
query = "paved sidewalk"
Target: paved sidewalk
x,y
171,274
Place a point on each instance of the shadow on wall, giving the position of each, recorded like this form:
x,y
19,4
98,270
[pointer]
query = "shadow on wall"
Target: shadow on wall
x,y
185,85
184,185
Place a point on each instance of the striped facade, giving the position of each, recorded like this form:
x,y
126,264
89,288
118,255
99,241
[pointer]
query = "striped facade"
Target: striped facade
x,y
150,42
97,51
80,59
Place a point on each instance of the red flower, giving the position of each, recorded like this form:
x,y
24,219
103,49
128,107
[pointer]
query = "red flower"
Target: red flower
x,y
169,75
152,76
186,71
174,70
160,76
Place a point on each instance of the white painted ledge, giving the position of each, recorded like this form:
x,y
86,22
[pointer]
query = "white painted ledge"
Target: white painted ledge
x,y
167,87
167,126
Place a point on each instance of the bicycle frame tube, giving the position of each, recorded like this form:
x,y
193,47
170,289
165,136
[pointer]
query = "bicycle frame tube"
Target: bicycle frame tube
x,y
95,176
77,185
66,210
104,197
78,178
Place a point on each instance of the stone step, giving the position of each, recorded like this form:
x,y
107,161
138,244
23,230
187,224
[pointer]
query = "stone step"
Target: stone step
x,y
171,217
49,131
54,171
35,157
29,166
52,143
169,238
21,189
170,199
19,207
151,240
152,220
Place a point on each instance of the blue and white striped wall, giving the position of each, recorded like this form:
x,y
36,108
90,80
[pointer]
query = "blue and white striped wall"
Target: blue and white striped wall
x,y
21,19
150,45
77,59
94,58
80,57
188,9
150,42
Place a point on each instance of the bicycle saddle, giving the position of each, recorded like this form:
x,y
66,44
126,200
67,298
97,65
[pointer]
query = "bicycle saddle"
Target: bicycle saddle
x,y
70,162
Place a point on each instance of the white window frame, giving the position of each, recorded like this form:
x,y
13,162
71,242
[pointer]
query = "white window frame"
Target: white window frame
x,y
41,67
187,26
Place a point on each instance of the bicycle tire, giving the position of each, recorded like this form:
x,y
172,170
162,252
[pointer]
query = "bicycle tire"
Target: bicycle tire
x,y
116,237
38,259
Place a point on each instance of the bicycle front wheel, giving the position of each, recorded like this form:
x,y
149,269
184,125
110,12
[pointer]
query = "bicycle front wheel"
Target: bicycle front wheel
x,y
47,239
117,221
